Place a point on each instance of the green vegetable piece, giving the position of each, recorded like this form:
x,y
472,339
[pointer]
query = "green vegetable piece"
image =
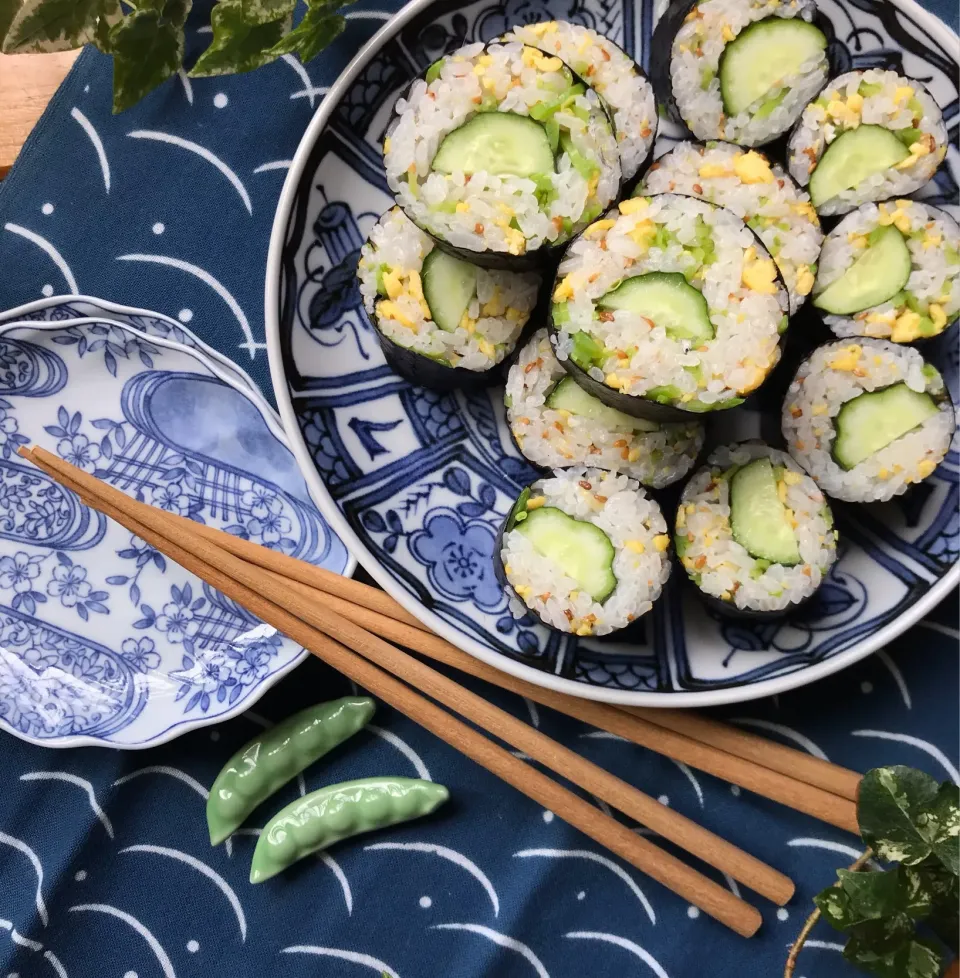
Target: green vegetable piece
x,y
519,512
907,136
381,285
496,142
867,89
552,129
581,164
433,72
339,812
587,351
560,314
277,755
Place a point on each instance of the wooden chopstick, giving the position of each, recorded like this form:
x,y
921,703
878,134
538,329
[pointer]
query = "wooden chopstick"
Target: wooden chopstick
x,y
795,764
235,578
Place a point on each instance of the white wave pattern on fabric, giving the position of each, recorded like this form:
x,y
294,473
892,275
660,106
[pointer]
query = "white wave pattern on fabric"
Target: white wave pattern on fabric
x,y
369,15
732,884
301,73
203,153
533,711
18,938
692,778
824,945
924,745
218,287
603,735
21,846
56,964
457,858
503,940
274,165
187,86
166,966
645,956
87,126
68,778
173,772
935,626
798,738
401,745
320,90
828,845
894,671
205,870
335,952
341,876
595,858
46,246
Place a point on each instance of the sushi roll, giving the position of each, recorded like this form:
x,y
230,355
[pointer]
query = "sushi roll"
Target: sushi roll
x,y
753,531
869,136
739,70
502,154
557,424
759,192
867,419
585,551
891,270
667,307
442,322
613,75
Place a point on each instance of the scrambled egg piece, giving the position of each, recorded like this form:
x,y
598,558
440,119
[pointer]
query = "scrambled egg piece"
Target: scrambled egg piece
x,y
751,167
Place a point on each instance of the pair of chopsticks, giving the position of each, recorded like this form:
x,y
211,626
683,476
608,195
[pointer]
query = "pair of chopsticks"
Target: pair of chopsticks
x,y
351,627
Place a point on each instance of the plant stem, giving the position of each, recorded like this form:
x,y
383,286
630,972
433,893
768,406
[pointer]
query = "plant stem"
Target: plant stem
x,y
811,921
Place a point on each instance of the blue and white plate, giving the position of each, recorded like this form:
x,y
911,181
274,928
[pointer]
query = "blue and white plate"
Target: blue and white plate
x,y
417,483
102,640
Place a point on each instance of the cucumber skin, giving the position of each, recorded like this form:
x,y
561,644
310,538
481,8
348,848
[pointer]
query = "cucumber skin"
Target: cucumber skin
x,y
661,45
642,407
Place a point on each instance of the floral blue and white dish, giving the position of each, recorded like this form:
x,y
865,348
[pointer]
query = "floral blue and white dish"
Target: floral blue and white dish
x,y
62,308
102,640
417,482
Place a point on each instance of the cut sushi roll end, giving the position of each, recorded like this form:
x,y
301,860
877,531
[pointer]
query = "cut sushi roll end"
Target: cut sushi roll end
x,y
867,419
585,551
441,321
754,532
759,192
739,70
501,154
891,271
870,135
557,424
668,308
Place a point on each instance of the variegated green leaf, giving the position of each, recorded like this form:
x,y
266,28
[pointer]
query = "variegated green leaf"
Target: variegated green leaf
x,y
147,48
238,44
320,26
913,959
8,10
57,25
265,11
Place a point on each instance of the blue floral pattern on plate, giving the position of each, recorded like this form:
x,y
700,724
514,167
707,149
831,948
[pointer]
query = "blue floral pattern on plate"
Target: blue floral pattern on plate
x,y
419,481
102,639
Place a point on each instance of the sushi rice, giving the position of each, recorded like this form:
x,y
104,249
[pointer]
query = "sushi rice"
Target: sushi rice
x,y
633,524
837,373
875,97
612,74
631,354
758,192
723,568
929,302
695,61
391,262
509,214
656,455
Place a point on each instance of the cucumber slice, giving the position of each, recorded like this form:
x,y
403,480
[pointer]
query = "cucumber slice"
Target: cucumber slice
x,y
668,300
581,550
757,517
875,419
877,275
568,395
448,286
762,56
851,158
496,142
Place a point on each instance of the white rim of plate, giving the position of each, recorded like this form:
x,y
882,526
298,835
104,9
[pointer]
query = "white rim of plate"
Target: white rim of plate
x,y
177,730
331,512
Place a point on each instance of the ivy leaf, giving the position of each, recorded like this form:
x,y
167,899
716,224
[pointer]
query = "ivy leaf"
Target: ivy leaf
x,y
265,11
944,889
913,959
8,10
240,44
891,805
941,825
320,26
147,48
57,25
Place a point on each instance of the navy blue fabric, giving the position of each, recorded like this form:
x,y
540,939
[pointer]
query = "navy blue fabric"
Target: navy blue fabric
x,y
105,868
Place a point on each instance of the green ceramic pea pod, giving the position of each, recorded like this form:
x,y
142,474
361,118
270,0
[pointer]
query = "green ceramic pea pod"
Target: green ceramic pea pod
x,y
338,812
271,759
